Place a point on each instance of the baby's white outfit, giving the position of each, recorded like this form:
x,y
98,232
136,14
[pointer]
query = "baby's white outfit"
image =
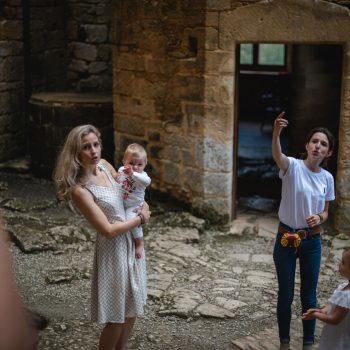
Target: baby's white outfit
x,y
133,187
337,337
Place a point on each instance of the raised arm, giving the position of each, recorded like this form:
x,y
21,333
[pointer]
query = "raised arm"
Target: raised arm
x,y
280,158
84,201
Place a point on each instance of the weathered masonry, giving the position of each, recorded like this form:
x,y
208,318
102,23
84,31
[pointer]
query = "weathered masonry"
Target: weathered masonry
x,y
174,88
172,69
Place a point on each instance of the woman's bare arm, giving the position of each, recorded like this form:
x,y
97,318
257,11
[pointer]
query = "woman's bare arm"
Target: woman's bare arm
x,y
280,158
84,201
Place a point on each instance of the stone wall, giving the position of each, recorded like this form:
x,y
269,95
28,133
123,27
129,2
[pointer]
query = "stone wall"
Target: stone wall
x,y
174,85
47,61
89,45
12,121
160,83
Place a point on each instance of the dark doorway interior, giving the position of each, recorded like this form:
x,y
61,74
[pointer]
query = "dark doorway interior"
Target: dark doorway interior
x,y
304,81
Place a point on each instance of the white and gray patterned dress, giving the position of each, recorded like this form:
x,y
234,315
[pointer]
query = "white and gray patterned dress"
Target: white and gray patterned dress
x,y
119,279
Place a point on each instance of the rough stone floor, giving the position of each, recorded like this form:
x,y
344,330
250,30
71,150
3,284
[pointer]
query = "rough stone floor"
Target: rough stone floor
x,y
208,289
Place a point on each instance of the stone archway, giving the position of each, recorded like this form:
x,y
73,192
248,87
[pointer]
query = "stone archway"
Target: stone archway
x,y
300,22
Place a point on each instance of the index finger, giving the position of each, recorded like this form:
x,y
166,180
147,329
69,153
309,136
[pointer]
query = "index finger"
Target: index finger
x,y
282,115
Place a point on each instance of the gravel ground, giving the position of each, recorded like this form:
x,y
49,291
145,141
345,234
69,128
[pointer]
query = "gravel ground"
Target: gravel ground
x,y
222,257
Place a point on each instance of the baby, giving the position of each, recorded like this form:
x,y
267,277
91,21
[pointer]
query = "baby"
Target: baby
x,y
134,180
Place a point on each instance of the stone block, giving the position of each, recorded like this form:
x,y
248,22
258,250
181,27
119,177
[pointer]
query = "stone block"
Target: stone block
x,y
195,115
154,151
10,48
217,183
187,157
95,83
85,52
192,66
211,38
171,173
343,182
95,33
187,88
10,30
211,155
342,216
193,180
78,66
144,108
4,102
104,52
217,210
179,139
219,62
5,122
160,66
11,69
154,136
171,153
212,19
214,119
129,124
97,67
219,89
11,86
218,5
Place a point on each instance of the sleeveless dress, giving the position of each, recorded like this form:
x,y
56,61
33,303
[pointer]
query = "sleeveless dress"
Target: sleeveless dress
x,y
337,337
119,279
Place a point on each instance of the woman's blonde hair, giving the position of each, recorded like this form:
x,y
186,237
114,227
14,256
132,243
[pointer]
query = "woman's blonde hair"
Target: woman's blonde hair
x,y
68,169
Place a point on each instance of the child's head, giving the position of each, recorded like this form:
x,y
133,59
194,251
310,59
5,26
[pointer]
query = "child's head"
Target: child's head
x,y
135,156
325,138
344,265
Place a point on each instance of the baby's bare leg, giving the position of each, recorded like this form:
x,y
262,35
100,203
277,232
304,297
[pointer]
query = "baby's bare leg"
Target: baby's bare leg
x,y
139,244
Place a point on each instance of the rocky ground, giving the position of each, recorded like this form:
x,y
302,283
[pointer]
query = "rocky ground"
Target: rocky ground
x,y
208,289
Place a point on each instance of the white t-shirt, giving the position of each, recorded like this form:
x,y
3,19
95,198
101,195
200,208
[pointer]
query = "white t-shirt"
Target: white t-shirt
x,y
304,193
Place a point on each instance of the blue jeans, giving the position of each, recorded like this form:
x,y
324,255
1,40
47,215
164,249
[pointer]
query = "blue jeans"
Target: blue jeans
x,y
309,254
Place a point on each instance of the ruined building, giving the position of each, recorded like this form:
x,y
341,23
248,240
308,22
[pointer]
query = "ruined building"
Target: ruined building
x,y
170,74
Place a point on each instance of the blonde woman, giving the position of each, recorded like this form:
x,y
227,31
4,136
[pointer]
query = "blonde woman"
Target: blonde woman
x,y
119,280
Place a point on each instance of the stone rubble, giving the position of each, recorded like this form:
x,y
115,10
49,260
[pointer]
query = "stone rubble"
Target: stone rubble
x,y
208,289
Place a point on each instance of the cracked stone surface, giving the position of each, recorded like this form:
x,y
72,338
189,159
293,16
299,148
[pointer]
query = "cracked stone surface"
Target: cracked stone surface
x,y
208,289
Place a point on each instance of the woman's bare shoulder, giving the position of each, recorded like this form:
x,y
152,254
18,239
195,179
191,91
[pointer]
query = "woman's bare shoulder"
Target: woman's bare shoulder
x,y
79,192
109,166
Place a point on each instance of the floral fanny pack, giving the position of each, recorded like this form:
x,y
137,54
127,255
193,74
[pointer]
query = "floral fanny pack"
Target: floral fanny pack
x,y
291,239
